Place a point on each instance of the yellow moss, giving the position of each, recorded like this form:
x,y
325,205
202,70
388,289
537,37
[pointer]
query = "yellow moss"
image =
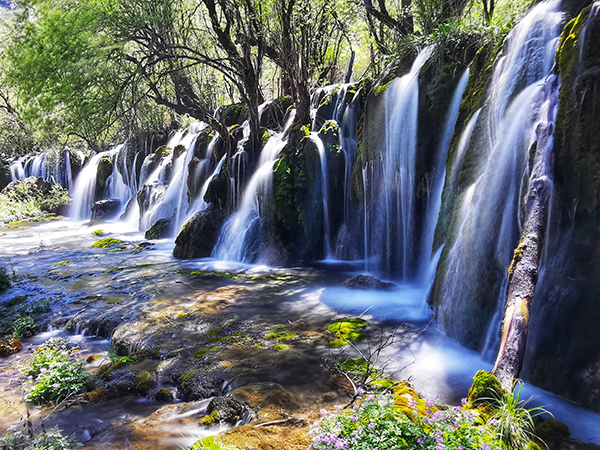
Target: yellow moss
x,y
518,254
97,396
210,418
408,401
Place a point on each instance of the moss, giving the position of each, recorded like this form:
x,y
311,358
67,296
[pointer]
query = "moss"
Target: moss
x,y
550,431
209,274
213,331
204,351
120,248
17,300
210,419
145,384
105,170
280,333
485,389
162,151
345,330
97,396
408,401
178,150
160,229
106,243
280,347
183,379
382,88
163,395
97,232
63,263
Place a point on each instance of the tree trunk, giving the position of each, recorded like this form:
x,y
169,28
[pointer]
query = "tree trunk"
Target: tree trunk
x,y
524,269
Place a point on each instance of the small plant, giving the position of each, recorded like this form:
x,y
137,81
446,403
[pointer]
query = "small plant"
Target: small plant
x,y
24,327
50,440
55,372
512,421
209,443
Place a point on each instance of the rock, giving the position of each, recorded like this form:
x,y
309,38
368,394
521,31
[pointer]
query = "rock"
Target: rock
x,y
199,235
218,192
145,384
105,209
4,175
273,114
161,228
10,347
27,188
365,282
234,114
230,409
163,395
105,170
198,385
261,395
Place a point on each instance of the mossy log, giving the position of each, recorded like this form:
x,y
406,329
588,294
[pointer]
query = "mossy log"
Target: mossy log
x,y
524,269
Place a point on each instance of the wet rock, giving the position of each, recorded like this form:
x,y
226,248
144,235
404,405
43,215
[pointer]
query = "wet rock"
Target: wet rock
x,y
273,114
230,409
105,170
198,384
10,347
365,282
163,395
218,192
145,384
105,209
262,394
199,235
4,175
161,228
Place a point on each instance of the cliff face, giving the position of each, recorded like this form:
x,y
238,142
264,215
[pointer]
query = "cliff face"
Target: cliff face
x,y
563,349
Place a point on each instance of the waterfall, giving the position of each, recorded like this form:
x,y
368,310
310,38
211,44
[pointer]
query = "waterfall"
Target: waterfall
x,y
85,188
241,237
439,175
488,218
389,221
324,190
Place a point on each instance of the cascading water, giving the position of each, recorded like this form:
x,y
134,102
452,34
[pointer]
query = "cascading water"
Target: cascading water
x,y
488,214
85,188
241,237
324,190
390,183
439,175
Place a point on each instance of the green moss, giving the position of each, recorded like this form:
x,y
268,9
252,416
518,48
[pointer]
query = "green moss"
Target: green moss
x,y
145,383
382,88
105,170
280,333
120,248
178,150
97,232
183,379
486,389
550,431
211,418
17,300
106,243
63,263
209,274
280,347
213,331
345,330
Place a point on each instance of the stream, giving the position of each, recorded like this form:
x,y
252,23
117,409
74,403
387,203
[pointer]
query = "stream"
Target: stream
x,y
55,261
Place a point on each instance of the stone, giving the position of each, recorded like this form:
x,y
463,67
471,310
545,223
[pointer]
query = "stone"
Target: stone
x,y
365,282
105,209
199,235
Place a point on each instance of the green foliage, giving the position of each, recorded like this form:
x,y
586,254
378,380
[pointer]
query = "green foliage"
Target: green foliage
x,y
27,202
56,372
378,423
209,443
24,327
106,243
512,422
49,440
4,280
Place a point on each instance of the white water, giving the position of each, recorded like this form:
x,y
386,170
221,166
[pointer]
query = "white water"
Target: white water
x,y
324,191
489,212
389,219
241,237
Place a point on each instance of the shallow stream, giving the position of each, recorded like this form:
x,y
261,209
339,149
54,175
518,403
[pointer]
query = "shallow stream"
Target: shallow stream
x,y
55,261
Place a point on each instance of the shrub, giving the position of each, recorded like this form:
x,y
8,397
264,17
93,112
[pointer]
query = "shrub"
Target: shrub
x,y
56,372
378,424
50,440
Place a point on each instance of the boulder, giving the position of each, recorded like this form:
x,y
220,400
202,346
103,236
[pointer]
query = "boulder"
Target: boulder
x,y
199,235
230,409
161,229
365,282
105,209
273,114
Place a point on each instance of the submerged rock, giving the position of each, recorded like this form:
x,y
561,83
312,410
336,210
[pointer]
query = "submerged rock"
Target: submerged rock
x,y
365,282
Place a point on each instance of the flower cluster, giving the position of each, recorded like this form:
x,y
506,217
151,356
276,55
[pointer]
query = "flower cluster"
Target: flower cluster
x,y
55,372
377,424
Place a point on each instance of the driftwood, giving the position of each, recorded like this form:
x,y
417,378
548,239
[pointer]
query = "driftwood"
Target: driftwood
x,y
523,272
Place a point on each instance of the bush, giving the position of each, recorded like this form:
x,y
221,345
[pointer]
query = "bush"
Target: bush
x,y
51,440
378,424
55,372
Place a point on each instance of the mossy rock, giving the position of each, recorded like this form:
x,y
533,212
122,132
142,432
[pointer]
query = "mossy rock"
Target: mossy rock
x,y
107,243
161,229
485,389
345,330
549,432
163,395
98,396
410,403
280,333
105,170
234,114
179,150
145,384
230,410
